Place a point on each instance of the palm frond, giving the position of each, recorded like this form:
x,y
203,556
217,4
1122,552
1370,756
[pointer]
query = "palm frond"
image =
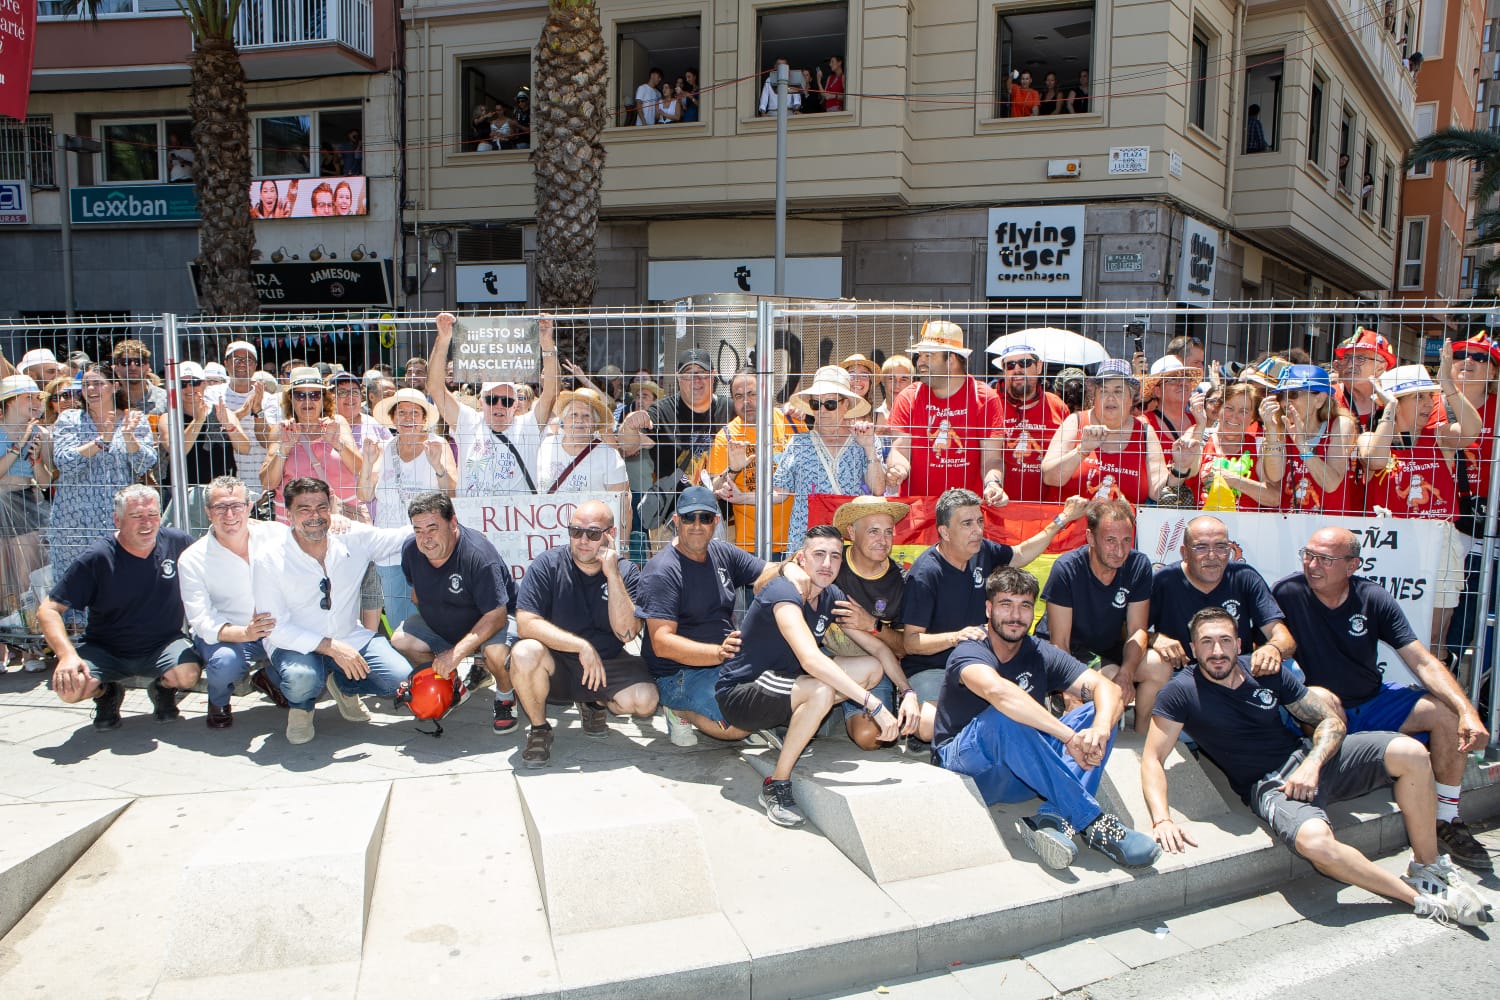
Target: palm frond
x,y
1480,147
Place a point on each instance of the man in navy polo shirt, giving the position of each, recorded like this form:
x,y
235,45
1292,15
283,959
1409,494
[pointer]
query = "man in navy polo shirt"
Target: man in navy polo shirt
x,y
1233,715
1099,596
687,601
465,599
129,584
992,724
1339,619
1207,577
945,587
780,676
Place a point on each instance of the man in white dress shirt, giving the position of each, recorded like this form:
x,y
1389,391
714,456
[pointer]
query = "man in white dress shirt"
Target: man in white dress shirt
x,y
310,586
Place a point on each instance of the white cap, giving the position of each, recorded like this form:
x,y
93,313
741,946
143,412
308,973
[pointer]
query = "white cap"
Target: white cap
x,y
190,369
489,387
241,345
214,372
1166,363
40,356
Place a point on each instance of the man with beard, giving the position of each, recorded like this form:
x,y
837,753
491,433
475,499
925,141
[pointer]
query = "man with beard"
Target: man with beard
x,y
946,424
731,462
131,361
1029,416
1232,715
992,724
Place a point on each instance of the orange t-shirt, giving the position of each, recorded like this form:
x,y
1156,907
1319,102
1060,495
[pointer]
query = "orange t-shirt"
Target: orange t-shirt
x,y
744,514
1023,101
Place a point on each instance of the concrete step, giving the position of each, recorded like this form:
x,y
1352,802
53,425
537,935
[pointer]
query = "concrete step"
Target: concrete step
x,y
41,841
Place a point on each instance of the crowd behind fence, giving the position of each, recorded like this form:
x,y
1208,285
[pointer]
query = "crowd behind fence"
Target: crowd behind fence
x,y
1306,410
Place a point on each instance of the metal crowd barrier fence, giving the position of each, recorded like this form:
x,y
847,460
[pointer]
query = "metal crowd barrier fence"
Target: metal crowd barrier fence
x,y
781,344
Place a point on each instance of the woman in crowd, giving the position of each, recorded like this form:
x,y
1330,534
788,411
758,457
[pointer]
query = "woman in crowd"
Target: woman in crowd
x,y
839,455
1105,452
862,372
211,436
348,395
1053,100
99,449
63,394
23,509
503,127
1231,451
313,441
687,91
895,375
398,469
832,85
1170,386
1307,444
1078,95
669,110
579,457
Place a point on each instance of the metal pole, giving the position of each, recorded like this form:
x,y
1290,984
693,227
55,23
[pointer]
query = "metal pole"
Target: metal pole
x,y
65,188
765,396
1487,650
781,113
177,458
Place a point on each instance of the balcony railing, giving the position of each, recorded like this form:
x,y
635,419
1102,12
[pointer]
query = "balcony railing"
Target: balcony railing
x,y
269,24
1367,23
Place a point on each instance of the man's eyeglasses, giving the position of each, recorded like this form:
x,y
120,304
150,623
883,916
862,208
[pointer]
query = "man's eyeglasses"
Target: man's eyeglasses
x,y
1472,356
1218,549
1011,366
824,404
228,507
325,585
347,390
1322,559
592,534
697,517
307,397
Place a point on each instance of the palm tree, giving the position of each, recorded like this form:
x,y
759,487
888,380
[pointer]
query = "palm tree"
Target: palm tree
x,y
1481,148
568,114
221,154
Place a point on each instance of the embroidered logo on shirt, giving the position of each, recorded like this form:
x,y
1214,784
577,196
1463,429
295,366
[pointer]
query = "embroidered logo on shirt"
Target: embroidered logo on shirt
x,y
168,569
1122,597
978,578
1357,625
821,626
724,579
1024,681
1233,607
456,584
1266,697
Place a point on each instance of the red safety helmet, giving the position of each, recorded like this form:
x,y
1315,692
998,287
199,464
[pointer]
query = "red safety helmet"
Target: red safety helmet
x,y
430,696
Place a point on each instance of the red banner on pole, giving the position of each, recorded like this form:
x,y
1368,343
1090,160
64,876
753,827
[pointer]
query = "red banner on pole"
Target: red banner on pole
x,y
17,45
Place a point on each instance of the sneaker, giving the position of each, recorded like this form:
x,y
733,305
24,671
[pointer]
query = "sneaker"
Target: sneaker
x,y
478,677
1455,840
595,719
781,807
1051,837
299,726
163,702
107,706
1449,910
765,737
682,734
350,707
35,665
505,715
219,716
538,752
1125,847
1443,880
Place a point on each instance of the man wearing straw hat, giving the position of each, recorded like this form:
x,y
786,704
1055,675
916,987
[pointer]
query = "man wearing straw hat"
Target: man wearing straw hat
x,y
945,425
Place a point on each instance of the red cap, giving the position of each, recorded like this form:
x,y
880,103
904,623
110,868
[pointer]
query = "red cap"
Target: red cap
x,y
1368,340
1480,342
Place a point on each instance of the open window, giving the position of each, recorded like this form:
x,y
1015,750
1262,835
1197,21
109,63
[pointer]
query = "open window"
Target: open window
x,y
1263,102
671,45
1199,93
1345,170
313,143
1038,47
147,151
1367,176
494,103
809,37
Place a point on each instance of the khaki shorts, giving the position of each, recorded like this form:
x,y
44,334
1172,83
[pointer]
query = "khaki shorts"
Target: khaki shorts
x,y
1448,581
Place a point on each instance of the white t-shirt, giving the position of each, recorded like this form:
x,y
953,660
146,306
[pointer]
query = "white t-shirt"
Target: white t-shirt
x,y
603,467
485,465
400,483
647,98
247,466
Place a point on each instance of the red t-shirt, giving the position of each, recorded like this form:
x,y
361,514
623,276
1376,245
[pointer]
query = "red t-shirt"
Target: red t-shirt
x,y
1300,491
1211,454
1417,482
1122,475
1025,431
1165,432
1477,455
946,435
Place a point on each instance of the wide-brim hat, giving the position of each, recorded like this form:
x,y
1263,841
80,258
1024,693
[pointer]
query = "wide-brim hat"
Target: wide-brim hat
x,y
1480,342
940,335
40,356
1167,367
1367,340
851,511
1266,374
651,387
302,378
1407,380
835,380
596,403
854,361
384,412
12,386
1115,368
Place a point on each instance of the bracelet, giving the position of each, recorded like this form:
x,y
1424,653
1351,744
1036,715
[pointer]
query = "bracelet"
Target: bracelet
x,y
866,706
901,695
735,472
1164,819
1179,474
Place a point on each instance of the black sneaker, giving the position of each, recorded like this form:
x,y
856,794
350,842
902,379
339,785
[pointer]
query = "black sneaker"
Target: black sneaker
x,y
163,702
107,706
1455,840
1125,847
505,715
478,676
595,719
781,807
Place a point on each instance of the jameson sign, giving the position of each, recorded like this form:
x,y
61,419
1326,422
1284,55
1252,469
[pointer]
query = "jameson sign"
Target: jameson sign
x,y
134,203
495,349
523,526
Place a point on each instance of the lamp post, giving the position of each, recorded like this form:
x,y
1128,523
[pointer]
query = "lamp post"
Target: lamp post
x,y
69,144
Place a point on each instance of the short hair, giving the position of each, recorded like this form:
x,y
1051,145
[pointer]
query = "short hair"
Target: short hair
x,y
897,362
135,491
132,348
305,484
1099,511
431,503
1178,346
951,501
1253,109
823,531
1206,615
1353,545
1011,580
224,483
656,70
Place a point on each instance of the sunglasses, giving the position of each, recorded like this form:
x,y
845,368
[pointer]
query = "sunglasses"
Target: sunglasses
x,y
325,585
698,517
497,400
1011,366
131,362
191,383
592,534
1471,356
824,404
307,397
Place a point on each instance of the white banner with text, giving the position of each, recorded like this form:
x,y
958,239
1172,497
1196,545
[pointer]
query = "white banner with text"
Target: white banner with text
x,y
523,526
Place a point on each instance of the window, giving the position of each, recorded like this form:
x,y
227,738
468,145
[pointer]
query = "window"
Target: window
x,y
1367,177
1434,13
306,143
1466,272
806,36
1487,28
1385,196
1315,119
1198,80
138,152
59,8
26,151
671,45
1425,121
1056,42
491,85
1412,248
1263,102
1346,147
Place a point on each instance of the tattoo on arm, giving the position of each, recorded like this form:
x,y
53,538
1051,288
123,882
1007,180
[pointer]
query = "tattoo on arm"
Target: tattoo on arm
x,y
1317,710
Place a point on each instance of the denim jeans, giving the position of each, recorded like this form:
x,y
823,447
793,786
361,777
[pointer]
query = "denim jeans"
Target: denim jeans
x,y
301,675
226,662
1011,762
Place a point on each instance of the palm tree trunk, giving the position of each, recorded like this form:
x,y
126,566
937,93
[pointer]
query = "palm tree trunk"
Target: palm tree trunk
x,y
221,170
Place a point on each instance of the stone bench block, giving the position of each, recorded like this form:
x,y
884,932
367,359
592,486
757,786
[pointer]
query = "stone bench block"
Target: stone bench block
x,y
613,848
872,807
40,841
683,959
1191,793
286,883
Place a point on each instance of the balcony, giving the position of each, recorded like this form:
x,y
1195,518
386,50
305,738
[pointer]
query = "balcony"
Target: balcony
x,y
1364,22
290,37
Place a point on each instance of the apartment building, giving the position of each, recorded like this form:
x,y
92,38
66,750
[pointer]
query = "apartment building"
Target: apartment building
x,y
325,134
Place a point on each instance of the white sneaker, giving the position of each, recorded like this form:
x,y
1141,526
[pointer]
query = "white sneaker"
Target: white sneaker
x,y
1442,881
682,734
299,726
350,707
35,666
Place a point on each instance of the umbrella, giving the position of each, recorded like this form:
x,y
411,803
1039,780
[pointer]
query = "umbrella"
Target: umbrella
x,y
1057,347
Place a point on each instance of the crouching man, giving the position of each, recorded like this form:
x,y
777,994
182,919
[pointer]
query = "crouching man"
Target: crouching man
x,y
1232,715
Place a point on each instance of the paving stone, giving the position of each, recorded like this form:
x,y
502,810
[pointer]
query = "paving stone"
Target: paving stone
x,y
1012,979
1078,963
1138,946
39,842
1206,928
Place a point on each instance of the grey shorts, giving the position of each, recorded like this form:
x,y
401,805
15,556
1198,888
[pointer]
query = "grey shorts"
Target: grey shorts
x,y
419,630
1359,768
106,666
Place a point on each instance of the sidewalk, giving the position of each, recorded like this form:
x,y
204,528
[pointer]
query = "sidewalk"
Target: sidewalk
x,y
378,862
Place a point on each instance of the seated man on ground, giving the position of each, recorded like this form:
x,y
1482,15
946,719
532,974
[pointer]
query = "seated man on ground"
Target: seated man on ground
x,y
993,725
129,584
465,597
1339,619
574,614
780,676
1286,781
